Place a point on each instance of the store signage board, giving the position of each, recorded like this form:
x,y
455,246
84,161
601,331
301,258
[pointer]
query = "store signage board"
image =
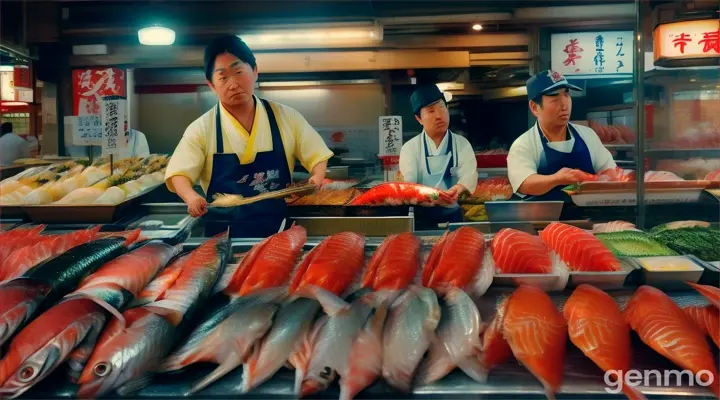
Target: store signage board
x,y
113,121
7,86
391,133
687,40
592,54
86,130
90,85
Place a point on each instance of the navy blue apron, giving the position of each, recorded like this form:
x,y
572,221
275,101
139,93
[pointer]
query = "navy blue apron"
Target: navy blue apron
x,y
269,172
552,161
430,217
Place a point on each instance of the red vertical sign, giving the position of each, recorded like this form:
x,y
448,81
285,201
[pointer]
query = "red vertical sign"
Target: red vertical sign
x,y
90,85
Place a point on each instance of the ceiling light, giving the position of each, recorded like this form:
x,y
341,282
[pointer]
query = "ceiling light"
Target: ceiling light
x,y
156,36
477,27
309,38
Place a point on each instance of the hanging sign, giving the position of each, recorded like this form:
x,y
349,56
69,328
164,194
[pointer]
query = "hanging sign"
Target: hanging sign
x,y
592,53
687,40
113,121
86,130
90,85
390,128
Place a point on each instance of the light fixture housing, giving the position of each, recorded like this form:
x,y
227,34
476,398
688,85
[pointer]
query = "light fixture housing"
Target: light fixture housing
x,y
477,27
314,37
156,36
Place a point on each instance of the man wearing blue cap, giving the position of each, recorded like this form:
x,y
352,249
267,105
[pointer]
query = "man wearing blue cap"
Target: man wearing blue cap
x,y
553,153
437,157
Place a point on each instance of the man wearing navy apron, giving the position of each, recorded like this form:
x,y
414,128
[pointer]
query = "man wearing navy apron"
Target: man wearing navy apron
x,y
553,153
244,145
437,157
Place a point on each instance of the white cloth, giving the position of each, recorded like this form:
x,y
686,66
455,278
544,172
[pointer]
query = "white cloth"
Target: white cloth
x,y
13,147
137,147
412,159
524,157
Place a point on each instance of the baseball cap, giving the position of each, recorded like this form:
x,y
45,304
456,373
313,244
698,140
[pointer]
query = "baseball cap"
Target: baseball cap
x,y
227,44
547,82
424,96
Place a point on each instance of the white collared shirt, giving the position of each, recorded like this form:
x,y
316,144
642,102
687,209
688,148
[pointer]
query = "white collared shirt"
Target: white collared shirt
x,y
525,153
412,156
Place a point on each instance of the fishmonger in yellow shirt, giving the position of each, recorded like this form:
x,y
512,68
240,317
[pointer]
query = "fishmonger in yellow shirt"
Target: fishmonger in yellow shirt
x,y
244,145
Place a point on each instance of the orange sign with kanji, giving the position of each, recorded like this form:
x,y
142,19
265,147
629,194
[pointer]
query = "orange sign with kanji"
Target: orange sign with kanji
x,y
687,39
90,85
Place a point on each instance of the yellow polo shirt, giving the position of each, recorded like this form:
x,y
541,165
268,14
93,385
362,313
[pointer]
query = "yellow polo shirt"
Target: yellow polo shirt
x,y
193,156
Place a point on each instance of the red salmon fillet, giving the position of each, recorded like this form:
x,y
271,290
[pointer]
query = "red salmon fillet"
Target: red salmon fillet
x,y
710,292
394,264
454,260
596,326
707,319
517,252
537,335
579,249
333,264
495,350
662,325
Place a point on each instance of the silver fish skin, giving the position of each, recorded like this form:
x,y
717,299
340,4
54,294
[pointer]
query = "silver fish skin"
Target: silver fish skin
x,y
464,325
291,322
409,331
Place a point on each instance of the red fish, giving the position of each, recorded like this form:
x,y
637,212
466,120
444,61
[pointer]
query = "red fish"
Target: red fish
x,y
269,263
663,326
394,264
713,176
537,335
21,232
18,301
399,193
495,349
333,264
162,282
454,260
596,326
579,249
707,319
23,259
9,246
518,252
710,292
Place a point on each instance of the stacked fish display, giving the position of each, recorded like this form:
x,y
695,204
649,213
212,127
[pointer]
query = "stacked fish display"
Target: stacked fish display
x,y
117,311
76,182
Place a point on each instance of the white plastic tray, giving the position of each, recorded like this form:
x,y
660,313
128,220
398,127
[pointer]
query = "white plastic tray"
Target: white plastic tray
x,y
629,198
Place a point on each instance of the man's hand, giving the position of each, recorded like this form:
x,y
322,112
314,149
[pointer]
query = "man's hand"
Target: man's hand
x,y
456,191
568,176
317,180
197,205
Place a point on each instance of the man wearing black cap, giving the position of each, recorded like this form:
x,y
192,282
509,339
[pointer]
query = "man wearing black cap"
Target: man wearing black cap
x,y
437,157
553,153
244,145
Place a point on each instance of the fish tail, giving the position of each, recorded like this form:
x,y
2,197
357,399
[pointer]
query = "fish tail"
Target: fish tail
x,y
332,304
230,363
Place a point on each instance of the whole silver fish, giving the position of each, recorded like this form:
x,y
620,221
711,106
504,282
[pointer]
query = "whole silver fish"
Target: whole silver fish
x,y
409,330
291,324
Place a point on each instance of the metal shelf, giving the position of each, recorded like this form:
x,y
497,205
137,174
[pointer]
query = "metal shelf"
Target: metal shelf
x,y
683,153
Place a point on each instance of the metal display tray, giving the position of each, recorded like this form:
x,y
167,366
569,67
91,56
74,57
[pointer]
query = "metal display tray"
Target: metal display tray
x,y
85,213
347,211
509,211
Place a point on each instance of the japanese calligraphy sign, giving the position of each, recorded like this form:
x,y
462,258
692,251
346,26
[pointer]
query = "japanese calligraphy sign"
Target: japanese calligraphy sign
x,y
687,39
90,85
113,121
390,128
592,53
86,130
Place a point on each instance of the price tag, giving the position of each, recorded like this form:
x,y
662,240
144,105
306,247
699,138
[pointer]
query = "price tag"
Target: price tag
x,y
390,128
113,121
86,130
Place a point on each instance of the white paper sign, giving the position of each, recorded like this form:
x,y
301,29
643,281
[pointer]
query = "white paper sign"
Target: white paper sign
x,y
390,128
113,120
592,53
86,130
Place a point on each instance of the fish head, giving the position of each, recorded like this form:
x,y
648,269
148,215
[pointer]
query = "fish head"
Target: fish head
x,y
19,299
317,383
124,354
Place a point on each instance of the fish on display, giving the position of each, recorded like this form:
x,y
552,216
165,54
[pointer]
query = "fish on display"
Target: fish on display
x,y
596,326
394,264
73,325
710,292
662,325
581,250
21,260
18,301
18,237
518,252
456,261
537,335
126,355
458,338
707,319
21,232
403,193
407,335
495,349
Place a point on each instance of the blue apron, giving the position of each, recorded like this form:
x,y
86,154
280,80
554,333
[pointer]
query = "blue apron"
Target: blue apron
x,y
269,172
445,179
552,161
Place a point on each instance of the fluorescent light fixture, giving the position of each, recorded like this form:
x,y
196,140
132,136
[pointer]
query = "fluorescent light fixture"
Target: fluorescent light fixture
x,y
7,68
314,37
477,27
156,36
445,86
280,84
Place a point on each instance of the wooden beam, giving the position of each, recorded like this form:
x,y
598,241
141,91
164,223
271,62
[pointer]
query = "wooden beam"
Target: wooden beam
x,y
510,55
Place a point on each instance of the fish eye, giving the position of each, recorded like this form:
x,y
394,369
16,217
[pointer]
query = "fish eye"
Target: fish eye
x,y
102,369
27,373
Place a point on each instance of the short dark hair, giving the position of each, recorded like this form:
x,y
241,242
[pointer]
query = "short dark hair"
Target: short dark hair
x,y
227,44
6,127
